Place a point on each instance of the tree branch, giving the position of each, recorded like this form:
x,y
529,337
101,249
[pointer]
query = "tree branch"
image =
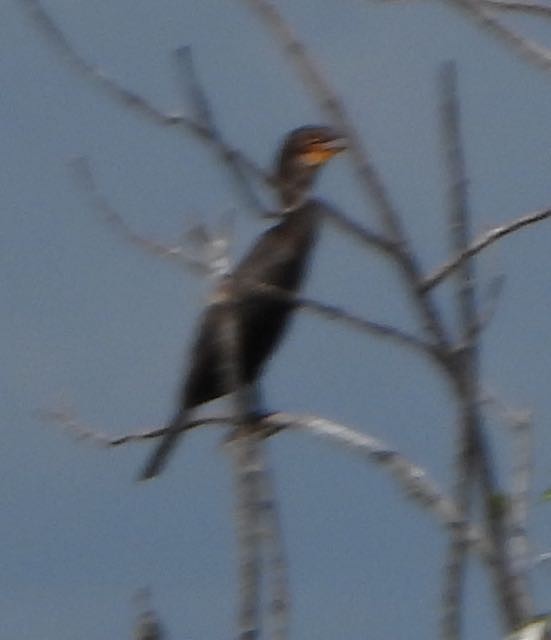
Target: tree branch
x,y
474,452
543,10
247,469
272,531
528,49
235,161
86,181
413,481
520,424
67,420
467,370
480,243
205,115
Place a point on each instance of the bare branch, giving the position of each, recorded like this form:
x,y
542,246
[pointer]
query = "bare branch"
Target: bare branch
x,y
520,424
127,98
514,6
247,468
466,373
87,183
460,215
491,299
82,431
280,600
338,314
483,12
474,452
528,49
413,481
205,115
194,88
237,163
480,243
485,316
371,239
534,8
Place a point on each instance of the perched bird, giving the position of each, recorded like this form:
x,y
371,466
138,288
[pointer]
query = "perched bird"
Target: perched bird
x,y
278,258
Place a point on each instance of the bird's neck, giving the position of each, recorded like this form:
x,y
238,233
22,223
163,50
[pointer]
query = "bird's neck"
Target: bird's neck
x,y
295,186
302,222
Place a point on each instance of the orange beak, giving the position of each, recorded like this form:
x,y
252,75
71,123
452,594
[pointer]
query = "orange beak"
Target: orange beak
x,y
320,152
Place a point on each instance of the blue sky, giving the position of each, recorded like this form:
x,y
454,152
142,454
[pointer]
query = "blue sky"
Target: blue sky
x,y
93,322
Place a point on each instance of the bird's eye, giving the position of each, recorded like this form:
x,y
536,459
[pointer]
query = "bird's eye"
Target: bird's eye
x,y
314,141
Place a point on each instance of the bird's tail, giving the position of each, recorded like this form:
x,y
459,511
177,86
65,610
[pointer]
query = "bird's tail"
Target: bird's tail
x,y
159,457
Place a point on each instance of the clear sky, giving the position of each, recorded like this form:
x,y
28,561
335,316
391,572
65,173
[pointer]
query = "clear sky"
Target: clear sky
x,y
92,322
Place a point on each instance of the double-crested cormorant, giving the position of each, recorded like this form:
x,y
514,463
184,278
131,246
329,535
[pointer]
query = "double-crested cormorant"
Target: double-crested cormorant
x,y
278,258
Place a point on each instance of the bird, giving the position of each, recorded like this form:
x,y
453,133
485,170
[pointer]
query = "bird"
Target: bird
x,y
278,258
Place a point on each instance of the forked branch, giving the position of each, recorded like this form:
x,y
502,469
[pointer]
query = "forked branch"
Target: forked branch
x,y
241,168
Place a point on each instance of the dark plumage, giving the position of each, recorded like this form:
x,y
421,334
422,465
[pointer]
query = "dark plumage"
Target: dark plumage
x,y
279,257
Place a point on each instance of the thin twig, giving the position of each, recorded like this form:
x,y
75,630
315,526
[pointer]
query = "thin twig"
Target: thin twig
x,y
237,163
371,239
480,243
338,314
205,115
87,183
535,8
514,6
484,16
483,12
486,315
81,431
188,73
466,372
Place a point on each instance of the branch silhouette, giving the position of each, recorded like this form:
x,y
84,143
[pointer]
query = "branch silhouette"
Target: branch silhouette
x,y
235,161
483,241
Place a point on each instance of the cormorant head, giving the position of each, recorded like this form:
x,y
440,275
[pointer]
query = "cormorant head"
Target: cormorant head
x,y
303,152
